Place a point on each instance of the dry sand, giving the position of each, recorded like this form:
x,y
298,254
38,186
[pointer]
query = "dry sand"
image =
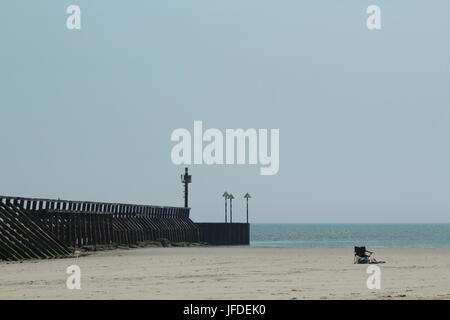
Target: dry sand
x,y
232,273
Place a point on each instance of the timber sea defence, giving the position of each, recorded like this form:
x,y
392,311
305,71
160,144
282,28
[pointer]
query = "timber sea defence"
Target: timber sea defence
x,y
48,228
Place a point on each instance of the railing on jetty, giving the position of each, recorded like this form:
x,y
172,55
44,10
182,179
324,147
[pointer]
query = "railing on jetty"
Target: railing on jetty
x,y
96,207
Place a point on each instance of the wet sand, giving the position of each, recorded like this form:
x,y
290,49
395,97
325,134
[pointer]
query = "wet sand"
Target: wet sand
x,y
232,273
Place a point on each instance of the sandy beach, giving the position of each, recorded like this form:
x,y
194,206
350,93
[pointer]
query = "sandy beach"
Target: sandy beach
x,y
231,273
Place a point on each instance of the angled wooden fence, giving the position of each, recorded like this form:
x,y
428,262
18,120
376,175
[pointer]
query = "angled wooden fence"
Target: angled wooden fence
x,y
23,236
45,228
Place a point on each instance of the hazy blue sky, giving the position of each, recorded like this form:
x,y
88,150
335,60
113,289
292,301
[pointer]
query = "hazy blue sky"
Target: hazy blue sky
x,y
363,115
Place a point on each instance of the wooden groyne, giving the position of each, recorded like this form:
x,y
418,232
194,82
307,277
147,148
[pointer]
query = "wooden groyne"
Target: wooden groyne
x,y
46,228
224,233
49,228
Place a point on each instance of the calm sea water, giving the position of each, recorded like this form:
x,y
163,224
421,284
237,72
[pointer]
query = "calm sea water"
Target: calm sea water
x,y
345,235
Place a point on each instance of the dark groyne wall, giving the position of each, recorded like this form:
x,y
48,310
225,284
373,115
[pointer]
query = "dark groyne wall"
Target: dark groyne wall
x,y
224,233
29,225
48,228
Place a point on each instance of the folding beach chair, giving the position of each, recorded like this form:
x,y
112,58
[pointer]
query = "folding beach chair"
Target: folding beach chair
x,y
362,256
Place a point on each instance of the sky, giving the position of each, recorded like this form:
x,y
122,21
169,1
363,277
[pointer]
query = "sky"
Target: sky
x,y
363,115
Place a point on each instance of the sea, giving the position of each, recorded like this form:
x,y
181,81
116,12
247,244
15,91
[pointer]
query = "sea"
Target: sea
x,y
417,235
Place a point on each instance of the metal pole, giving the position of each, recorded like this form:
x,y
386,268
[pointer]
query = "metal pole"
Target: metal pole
x,y
231,210
226,196
226,210
247,196
247,210
186,195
